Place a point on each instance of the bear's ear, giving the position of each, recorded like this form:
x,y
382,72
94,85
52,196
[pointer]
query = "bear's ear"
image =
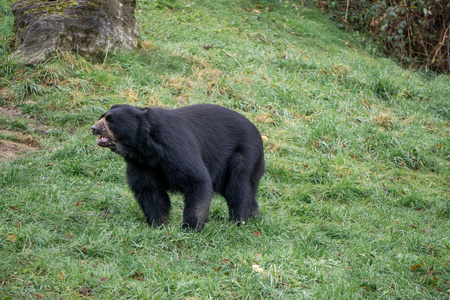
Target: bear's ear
x,y
102,115
108,118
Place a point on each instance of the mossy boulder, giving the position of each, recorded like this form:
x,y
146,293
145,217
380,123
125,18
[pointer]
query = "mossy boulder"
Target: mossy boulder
x,y
91,27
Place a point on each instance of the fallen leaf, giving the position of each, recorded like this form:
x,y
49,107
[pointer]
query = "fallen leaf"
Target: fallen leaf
x,y
131,95
207,47
257,233
12,238
260,270
103,279
138,276
415,266
218,268
257,268
16,208
385,188
85,291
104,213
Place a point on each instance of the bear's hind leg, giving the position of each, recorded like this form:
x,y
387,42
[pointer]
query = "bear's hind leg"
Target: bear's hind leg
x,y
240,200
240,191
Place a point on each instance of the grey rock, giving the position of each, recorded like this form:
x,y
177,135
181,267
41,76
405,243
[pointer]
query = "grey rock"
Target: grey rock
x,y
90,27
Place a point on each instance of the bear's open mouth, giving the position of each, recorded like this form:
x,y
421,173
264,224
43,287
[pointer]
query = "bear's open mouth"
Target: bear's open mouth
x,y
103,141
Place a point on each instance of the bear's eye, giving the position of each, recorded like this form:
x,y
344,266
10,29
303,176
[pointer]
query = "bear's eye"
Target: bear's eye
x,y
109,119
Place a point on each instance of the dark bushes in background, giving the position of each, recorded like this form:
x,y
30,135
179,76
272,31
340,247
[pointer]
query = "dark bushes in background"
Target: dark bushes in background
x,y
415,31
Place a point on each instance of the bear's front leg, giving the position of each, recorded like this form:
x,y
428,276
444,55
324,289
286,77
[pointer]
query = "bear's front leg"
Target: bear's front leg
x,y
155,204
149,193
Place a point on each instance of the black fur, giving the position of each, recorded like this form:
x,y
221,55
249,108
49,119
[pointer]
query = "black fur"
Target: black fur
x,y
196,150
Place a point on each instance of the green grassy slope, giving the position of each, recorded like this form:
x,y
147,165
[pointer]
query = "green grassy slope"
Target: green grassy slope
x,y
355,200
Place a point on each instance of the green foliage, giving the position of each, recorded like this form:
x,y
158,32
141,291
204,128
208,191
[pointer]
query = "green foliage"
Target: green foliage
x,y
354,200
26,88
416,32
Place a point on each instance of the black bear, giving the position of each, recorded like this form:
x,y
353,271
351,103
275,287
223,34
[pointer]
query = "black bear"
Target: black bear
x,y
195,150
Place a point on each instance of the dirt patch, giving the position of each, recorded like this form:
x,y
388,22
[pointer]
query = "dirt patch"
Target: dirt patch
x,y
4,93
9,149
10,111
21,138
13,144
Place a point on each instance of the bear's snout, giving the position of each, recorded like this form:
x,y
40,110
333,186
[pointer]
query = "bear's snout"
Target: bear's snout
x,y
105,139
94,129
99,128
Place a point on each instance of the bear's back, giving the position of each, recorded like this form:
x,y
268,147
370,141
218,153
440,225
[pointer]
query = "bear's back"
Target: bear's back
x,y
221,134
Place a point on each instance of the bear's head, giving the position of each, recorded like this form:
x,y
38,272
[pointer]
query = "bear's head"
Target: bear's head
x,y
118,128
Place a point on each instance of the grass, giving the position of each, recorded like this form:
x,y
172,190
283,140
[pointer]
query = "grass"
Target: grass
x,y
355,200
